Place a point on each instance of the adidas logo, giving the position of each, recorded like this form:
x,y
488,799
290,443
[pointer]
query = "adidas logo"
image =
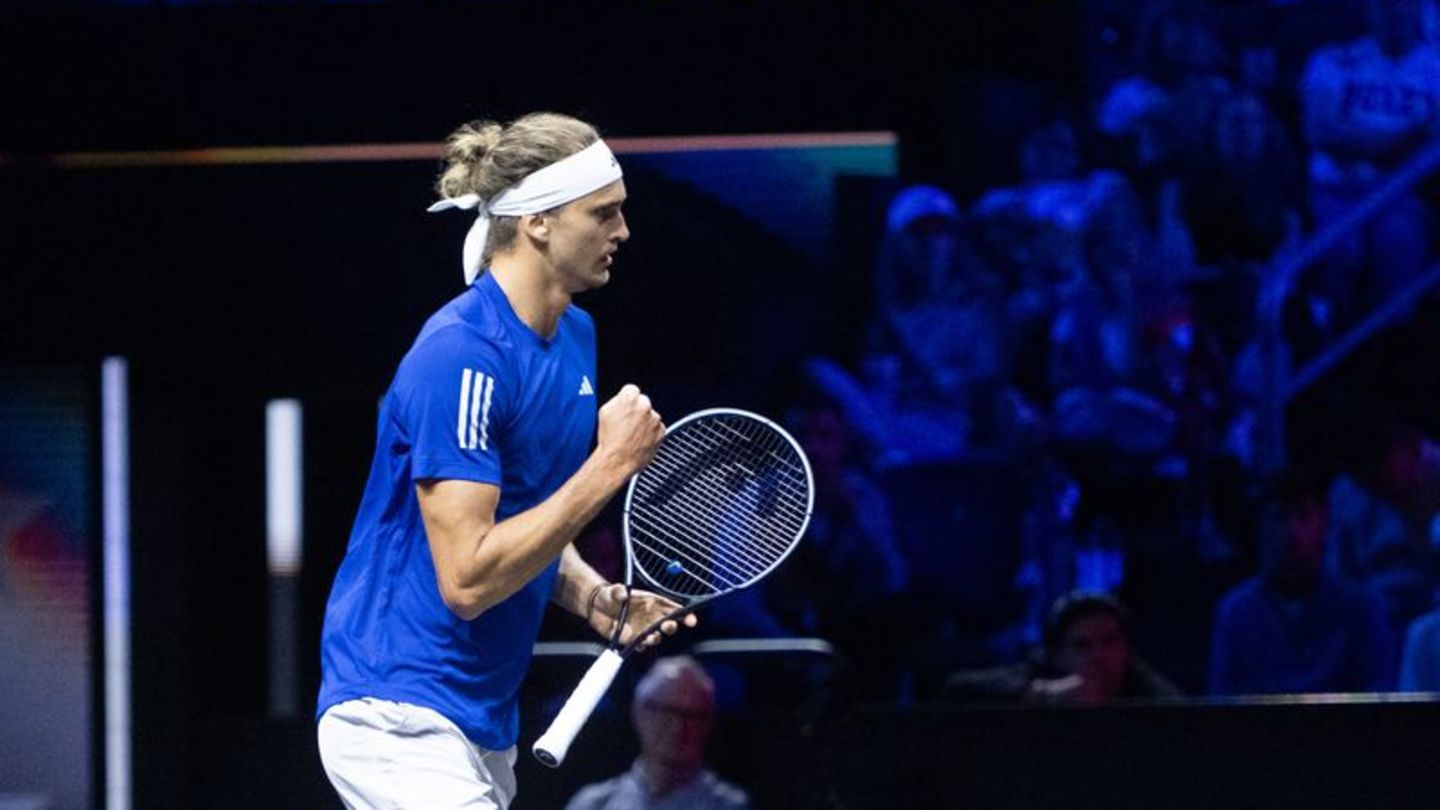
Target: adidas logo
x,y
585,388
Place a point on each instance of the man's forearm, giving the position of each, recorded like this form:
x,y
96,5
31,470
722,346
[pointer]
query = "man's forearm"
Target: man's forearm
x,y
515,550
577,584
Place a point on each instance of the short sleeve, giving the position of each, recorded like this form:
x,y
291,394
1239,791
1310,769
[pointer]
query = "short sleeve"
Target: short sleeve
x,y
453,397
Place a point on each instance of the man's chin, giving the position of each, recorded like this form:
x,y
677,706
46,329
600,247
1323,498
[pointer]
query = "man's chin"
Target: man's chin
x,y
594,282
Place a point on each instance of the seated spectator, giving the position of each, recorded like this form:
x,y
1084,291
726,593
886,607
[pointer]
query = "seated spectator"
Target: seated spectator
x,y
1242,198
1162,110
1385,516
1296,627
1242,195
1033,233
1366,106
1087,660
934,375
672,714
924,254
936,307
1051,207
1109,391
1159,119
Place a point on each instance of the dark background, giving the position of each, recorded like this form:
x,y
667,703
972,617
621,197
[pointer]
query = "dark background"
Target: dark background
x,y
226,286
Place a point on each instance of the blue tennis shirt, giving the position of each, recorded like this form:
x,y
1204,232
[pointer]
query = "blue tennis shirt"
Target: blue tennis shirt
x,y
479,397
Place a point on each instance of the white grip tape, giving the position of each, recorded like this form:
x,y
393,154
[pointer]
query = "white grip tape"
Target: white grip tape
x,y
555,742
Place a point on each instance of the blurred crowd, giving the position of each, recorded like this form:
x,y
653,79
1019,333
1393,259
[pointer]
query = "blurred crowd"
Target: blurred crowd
x,y
1039,477
1057,396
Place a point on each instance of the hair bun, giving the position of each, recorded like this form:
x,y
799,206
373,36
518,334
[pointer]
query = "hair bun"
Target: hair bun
x,y
466,147
471,141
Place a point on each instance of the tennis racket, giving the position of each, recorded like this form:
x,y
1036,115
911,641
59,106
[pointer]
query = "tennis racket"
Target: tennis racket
x,y
725,499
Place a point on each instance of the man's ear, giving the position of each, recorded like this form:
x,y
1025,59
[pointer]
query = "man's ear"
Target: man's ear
x,y
535,227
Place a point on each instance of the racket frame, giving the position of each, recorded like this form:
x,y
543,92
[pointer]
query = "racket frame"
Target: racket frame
x,y
630,498
552,746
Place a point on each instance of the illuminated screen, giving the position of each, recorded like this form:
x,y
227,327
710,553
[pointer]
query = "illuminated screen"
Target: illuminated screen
x,y
47,535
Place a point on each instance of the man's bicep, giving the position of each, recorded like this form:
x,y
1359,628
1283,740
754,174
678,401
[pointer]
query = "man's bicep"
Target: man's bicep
x,y
457,514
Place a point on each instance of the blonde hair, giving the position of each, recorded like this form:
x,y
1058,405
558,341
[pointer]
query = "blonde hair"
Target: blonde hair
x,y
485,158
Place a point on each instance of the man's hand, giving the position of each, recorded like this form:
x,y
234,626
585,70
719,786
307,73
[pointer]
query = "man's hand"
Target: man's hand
x,y
645,609
629,430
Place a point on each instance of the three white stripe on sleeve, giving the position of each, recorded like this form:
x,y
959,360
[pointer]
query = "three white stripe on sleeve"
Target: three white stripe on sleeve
x,y
472,428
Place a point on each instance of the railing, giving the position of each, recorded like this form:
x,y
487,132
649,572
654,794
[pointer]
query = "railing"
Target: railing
x,y
1278,385
727,646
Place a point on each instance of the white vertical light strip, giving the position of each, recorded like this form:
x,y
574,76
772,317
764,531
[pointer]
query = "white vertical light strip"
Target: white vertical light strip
x,y
283,483
115,487
284,520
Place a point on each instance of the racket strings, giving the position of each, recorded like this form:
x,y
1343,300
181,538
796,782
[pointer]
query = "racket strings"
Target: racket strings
x,y
681,527
748,559
711,502
763,450
713,485
723,501
785,472
672,535
693,558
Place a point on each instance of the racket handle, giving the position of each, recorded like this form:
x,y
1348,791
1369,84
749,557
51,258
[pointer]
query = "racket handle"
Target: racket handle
x,y
555,742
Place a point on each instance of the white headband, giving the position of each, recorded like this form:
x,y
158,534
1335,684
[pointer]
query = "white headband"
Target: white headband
x,y
561,182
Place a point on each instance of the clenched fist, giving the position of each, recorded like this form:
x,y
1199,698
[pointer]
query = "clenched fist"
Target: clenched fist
x,y
629,431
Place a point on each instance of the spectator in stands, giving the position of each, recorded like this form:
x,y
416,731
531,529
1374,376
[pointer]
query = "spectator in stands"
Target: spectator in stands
x,y
1296,627
1108,395
924,254
1161,112
1088,659
1242,199
1242,196
1050,207
938,315
1386,515
1159,118
1366,106
1033,233
672,713
935,372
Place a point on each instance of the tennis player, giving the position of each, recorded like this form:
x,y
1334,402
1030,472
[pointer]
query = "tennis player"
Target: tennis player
x,y
483,475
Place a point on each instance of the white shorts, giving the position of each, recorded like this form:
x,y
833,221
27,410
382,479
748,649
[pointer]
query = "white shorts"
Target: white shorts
x,y
383,754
